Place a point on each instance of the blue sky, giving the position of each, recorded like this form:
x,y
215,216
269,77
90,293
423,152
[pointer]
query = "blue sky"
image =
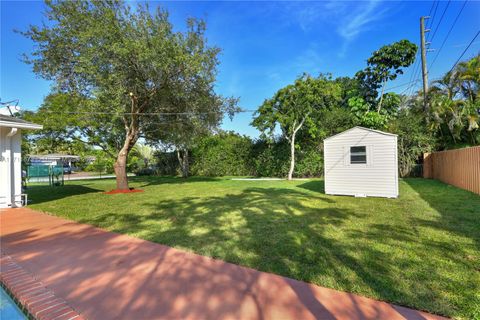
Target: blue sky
x,y
266,45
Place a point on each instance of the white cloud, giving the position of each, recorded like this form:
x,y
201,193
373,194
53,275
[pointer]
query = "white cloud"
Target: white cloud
x,y
348,18
360,20
309,60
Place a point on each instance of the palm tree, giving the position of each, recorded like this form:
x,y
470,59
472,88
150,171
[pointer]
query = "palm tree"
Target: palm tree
x,y
145,152
469,76
448,85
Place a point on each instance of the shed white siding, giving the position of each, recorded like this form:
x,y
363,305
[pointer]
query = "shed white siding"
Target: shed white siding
x,y
377,178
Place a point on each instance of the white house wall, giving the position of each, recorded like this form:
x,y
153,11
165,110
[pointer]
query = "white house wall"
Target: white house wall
x,y
10,168
4,168
378,177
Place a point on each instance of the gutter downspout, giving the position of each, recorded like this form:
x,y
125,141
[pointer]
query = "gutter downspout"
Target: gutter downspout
x,y
11,168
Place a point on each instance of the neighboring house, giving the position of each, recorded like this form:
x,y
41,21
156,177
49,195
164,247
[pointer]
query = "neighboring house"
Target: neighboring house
x,y
361,162
11,159
53,159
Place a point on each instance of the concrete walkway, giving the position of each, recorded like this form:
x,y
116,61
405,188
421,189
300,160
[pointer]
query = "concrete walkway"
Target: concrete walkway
x,y
103,275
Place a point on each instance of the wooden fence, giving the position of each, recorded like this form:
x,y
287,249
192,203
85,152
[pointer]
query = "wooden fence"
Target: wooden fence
x,y
459,167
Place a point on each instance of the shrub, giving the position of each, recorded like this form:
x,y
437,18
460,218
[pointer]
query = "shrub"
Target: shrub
x,y
414,139
270,159
223,154
145,172
167,163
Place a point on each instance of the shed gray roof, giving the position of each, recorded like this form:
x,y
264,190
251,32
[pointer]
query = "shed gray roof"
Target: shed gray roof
x,y
12,122
363,128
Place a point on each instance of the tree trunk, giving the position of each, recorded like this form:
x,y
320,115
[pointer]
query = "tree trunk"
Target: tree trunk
x,y
292,146
186,164
120,165
381,97
183,161
131,137
292,156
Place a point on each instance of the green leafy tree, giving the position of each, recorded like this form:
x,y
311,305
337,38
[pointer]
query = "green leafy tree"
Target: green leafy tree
x,y
297,107
385,64
182,132
414,139
53,138
364,114
222,154
124,66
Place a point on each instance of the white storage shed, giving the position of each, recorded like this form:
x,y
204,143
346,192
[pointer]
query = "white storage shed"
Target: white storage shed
x,y
11,159
361,162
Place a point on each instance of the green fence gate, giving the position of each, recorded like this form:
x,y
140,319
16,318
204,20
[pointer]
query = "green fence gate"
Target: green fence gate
x,y
43,173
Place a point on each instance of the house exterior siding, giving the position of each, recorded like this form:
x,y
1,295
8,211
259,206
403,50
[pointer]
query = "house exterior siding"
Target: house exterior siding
x,y
10,168
11,159
377,178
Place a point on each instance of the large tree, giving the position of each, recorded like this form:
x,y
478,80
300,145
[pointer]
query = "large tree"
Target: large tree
x,y
181,131
385,64
296,107
126,68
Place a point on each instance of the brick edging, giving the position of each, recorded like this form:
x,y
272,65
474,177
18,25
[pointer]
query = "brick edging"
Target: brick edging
x,y
34,298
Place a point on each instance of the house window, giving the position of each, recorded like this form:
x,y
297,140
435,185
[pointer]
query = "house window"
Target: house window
x,y
358,155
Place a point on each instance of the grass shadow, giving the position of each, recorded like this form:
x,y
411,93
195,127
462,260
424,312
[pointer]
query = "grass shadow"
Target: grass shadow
x,y
315,186
40,193
165,180
459,209
278,230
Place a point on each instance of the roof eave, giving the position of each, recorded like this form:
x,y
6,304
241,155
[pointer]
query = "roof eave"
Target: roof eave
x,y
363,128
9,124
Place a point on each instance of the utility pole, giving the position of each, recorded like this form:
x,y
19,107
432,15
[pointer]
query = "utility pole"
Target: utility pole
x,y
424,62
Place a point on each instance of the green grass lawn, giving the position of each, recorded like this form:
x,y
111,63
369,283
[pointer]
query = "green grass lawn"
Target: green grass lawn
x,y
421,250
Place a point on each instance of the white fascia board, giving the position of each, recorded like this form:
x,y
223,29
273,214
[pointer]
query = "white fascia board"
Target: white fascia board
x,y
9,124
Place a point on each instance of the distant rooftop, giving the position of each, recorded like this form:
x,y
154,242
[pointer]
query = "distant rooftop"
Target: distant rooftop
x,y
54,156
12,122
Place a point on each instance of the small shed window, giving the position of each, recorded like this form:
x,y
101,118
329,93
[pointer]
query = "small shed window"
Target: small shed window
x,y
358,155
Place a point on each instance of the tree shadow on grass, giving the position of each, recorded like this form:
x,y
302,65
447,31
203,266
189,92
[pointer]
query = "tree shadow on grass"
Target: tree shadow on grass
x,y
278,230
146,181
316,186
459,209
40,194
311,237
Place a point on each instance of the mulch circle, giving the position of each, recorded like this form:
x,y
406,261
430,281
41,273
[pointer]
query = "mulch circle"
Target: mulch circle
x,y
117,191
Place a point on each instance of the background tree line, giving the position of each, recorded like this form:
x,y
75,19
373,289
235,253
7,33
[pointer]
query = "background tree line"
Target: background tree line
x,y
122,76
451,121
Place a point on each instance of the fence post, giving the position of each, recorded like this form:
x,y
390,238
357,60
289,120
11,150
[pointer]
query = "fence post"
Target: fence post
x,y
427,165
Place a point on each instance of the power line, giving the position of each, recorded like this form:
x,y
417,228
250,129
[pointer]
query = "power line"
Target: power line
x,y
416,78
440,21
455,64
414,70
400,85
433,18
409,87
448,34
430,12
142,113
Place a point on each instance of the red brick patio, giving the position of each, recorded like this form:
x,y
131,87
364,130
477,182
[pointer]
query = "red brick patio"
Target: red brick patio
x,y
103,275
